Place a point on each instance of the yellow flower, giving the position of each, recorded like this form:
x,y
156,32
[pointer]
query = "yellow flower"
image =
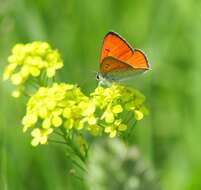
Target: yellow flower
x,y
56,121
46,123
68,124
40,136
42,112
95,130
108,115
6,75
117,109
91,120
116,127
25,71
138,115
29,120
35,71
16,94
50,72
67,113
16,79
89,108
111,130
51,104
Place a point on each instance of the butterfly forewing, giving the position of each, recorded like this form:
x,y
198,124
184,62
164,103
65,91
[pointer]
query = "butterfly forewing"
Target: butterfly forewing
x,y
115,46
138,60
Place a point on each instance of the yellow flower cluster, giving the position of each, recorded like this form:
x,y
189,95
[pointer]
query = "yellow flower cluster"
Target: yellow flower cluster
x,y
50,108
31,59
116,102
65,106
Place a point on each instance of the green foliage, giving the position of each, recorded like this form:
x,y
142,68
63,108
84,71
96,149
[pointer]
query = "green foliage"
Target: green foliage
x,y
168,32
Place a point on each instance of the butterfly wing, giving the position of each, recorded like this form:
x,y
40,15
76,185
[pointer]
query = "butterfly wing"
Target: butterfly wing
x,y
115,46
113,69
123,55
138,60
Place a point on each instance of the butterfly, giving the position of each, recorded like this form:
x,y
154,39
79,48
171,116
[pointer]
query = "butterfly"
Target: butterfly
x,y
119,61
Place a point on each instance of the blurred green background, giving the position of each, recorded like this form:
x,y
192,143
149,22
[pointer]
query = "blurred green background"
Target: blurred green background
x,y
170,34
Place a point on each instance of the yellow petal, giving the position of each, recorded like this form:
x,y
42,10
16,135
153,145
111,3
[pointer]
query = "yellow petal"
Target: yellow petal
x,y
25,128
113,134
42,112
46,123
35,142
79,125
58,65
109,117
51,104
108,129
138,115
16,94
90,110
50,72
43,140
56,121
117,109
122,127
16,79
24,71
68,124
91,120
29,119
6,75
35,71
36,133
49,131
67,113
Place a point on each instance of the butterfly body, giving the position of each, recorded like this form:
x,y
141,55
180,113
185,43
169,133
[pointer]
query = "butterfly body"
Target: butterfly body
x,y
119,61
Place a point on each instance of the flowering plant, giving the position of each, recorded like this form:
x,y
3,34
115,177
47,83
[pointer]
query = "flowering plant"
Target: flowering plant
x,y
62,111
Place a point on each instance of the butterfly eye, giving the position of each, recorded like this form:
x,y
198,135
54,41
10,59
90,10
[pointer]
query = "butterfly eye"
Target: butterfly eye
x,y
97,76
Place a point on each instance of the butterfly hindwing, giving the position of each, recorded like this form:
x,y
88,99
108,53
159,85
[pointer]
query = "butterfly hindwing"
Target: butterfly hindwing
x,y
113,69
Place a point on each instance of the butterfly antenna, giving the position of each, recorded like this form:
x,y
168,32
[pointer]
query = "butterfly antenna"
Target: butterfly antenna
x,y
93,73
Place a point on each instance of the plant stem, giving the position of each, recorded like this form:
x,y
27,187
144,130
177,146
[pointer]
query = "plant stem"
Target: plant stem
x,y
55,141
71,144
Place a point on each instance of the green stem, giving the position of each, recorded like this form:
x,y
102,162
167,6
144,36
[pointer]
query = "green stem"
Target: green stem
x,y
25,94
78,165
130,132
34,83
55,141
58,133
71,144
74,161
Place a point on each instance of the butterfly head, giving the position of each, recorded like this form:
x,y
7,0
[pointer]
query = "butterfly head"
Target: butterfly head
x,y
102,81
98,76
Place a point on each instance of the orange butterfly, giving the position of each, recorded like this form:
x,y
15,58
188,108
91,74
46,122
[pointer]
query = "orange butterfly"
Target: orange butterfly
x,y
119,60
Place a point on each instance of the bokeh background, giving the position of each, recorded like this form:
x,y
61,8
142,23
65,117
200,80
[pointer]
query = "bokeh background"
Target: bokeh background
x,y
168,31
